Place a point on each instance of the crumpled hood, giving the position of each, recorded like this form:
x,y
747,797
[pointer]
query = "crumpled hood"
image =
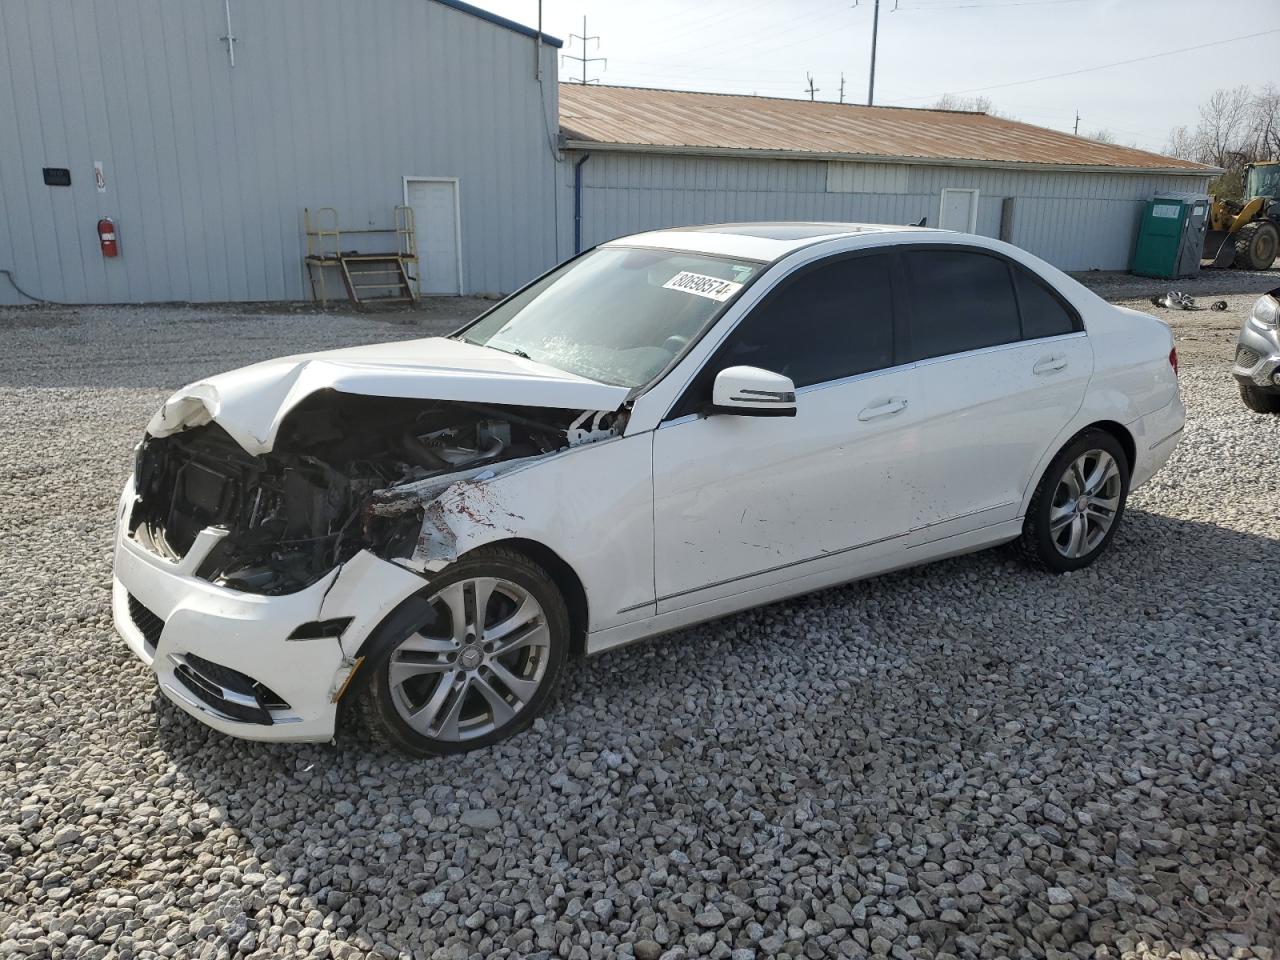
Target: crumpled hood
x,y
252,402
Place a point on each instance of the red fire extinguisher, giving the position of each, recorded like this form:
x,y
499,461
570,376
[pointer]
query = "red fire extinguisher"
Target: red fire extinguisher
x,y
107,237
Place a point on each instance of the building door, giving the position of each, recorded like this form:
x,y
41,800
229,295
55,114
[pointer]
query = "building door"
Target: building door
x,y
959,210
437,226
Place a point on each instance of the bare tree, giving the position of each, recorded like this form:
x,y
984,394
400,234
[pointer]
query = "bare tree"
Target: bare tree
x,y
1102,136
951,101
1236,127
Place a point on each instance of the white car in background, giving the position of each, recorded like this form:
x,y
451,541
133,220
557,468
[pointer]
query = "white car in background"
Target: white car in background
x,y
669,428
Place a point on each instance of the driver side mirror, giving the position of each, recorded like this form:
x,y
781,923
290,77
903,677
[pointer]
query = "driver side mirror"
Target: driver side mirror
x,y
753,392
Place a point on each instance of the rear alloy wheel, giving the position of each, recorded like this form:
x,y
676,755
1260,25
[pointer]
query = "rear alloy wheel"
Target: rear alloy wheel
x,y
1078,505
484,665
1259,400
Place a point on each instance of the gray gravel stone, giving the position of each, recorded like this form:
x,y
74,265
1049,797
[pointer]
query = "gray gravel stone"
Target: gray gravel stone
x,y
970,760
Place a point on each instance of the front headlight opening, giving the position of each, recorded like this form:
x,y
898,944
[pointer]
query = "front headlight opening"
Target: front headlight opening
x,y
1266,311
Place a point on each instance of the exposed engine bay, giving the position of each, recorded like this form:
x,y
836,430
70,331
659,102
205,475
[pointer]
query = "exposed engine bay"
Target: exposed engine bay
x,y
346,473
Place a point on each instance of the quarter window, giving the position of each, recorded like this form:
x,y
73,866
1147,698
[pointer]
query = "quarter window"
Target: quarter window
x,y
833,321
1043,314
960,301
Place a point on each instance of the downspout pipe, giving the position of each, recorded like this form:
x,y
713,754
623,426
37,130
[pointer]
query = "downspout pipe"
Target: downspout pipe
x,y
577,202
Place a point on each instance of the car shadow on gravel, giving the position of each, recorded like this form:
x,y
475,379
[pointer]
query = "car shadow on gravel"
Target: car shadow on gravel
x,y
987,731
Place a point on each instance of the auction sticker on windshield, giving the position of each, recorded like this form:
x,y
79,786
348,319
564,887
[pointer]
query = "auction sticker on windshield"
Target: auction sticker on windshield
x,y
699,284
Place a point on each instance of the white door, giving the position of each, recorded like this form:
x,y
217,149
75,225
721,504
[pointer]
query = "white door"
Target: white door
x,y
1002,370
435,221
739,497
959,210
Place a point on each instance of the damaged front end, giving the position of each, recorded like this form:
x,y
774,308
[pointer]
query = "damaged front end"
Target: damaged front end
x,y
346,473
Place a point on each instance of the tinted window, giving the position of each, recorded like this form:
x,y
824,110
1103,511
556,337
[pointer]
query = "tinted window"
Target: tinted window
x,y
833,321
959,301
1043,314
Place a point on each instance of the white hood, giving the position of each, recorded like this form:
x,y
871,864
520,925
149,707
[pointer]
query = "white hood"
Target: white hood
x,y
250,403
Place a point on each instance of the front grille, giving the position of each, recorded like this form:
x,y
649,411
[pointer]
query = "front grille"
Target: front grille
x,y
1246,357
148,624
228,691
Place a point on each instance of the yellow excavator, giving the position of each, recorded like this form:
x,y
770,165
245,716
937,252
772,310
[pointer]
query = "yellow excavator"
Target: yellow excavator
x,y
1246,233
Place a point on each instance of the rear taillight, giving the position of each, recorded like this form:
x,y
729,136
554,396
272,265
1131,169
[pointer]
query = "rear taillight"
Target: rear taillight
x,y
1173,360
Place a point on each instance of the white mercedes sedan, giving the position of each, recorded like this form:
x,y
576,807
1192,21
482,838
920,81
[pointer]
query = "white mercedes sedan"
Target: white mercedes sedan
x,y
666,429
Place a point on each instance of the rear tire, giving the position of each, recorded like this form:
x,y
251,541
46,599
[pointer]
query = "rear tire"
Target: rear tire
x,y
1259,400
1078,504
481,669
1256,245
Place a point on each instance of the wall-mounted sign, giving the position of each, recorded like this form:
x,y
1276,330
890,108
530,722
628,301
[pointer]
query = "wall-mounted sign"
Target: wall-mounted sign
x,y
98,176
57,177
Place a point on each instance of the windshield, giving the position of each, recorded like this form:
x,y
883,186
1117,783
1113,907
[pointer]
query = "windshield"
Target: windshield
x,y
1264,181
617,314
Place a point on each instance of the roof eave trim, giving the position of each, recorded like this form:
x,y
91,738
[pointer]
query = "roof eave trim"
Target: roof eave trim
x,y
760,154
482,14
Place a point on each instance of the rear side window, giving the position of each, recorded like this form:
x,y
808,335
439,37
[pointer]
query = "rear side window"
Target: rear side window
x,y
833,321
1043,314
959,301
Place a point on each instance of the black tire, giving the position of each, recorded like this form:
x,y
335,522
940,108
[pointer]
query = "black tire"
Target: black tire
x,y
1259,400
1256,245
1037,544
376,705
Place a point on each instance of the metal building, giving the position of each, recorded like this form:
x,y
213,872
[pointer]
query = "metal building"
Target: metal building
x,y
639,159
203,128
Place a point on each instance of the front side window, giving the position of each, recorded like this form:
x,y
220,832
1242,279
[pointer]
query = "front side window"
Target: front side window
x,y
960,300
833,321
618,315
828,322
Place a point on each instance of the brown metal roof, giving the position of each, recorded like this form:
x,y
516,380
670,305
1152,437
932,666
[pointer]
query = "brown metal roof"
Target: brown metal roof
x,y
679,121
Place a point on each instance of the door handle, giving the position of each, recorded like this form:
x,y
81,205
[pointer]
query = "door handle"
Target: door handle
x,y
885,408
1050,364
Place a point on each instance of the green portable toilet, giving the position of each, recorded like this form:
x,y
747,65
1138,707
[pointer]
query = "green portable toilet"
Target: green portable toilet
x,y
1171,236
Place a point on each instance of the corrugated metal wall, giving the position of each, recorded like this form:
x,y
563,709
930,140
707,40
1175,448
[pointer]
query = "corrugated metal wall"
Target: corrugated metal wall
x,y
208,166
1076,221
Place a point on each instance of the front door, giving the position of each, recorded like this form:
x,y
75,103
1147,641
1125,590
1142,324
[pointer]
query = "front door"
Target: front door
x,y
740,501
435,222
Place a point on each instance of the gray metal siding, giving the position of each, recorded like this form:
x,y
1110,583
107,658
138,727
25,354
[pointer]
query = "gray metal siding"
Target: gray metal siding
x,y
208,167
1077,221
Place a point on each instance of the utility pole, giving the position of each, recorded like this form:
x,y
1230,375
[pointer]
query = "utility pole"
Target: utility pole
x,y
1076,131
842,86
584,59
875,30
811,89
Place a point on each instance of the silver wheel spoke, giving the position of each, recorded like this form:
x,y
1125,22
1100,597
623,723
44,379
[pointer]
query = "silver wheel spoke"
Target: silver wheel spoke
x,y
1059,517
449,724
1104,469
501,710
533,635
455,599
422,718
523,689
419,643
1078,529
402,670
527,611
481,590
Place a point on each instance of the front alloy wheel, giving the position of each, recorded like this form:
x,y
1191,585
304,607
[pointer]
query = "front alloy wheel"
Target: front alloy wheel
x,y
483,664
1077,506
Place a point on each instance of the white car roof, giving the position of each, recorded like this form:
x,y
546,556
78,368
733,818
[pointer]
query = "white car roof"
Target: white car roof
x,y
758,241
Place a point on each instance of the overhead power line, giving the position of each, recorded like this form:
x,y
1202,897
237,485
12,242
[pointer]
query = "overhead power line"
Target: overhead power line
x,y
1101,66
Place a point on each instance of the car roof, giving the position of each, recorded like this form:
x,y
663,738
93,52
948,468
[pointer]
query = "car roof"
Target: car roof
x,y
766,241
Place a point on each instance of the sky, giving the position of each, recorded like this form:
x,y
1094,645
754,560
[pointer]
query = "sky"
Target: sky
x,y
994,48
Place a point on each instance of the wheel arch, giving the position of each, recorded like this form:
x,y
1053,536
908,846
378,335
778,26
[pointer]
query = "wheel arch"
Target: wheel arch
x,y
1117,430
565,578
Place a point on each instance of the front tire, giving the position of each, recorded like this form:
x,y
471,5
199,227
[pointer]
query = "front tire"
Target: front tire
x,y
1078,504
1258,400
481,668
1256,245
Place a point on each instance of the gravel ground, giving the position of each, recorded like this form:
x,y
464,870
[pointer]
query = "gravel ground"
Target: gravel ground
x,y
967,760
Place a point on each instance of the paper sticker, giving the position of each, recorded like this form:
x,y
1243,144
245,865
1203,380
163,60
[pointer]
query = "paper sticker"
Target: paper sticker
x,y
1166,211
700,285
98,177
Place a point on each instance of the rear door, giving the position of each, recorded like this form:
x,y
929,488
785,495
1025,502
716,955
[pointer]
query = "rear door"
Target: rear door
x,y
1002,366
